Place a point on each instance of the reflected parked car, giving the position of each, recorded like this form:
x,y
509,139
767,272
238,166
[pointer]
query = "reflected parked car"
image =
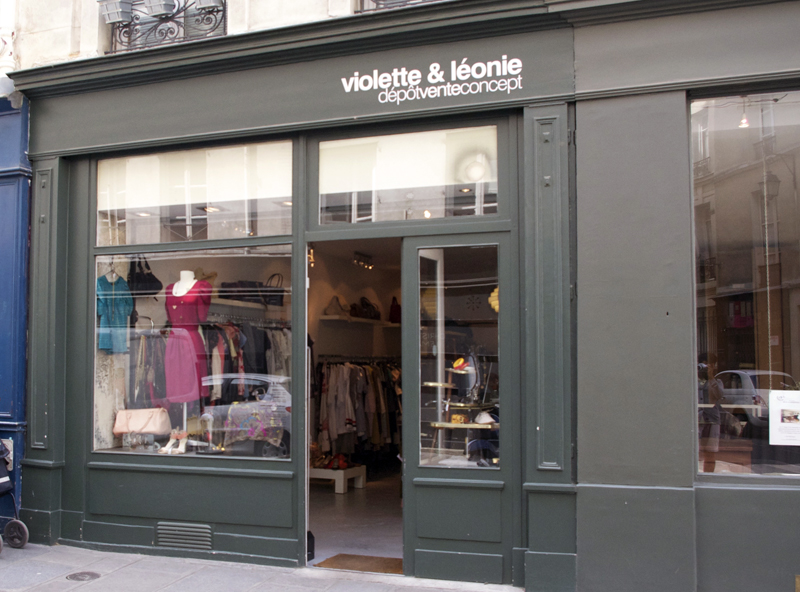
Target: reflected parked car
x,y
750,389
259,425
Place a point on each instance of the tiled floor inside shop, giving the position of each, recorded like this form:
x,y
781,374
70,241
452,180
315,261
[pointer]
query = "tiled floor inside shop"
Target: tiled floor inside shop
x,y
365,521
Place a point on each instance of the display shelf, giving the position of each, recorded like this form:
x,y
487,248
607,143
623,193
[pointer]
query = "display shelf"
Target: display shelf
x,y
349,319
238,303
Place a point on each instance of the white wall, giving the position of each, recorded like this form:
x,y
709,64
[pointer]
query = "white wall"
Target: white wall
x,y
55,31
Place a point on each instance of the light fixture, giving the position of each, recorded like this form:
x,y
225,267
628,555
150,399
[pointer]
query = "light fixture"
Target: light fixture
x,y
287,203
311,255
143,214
210,209
744,122
362,260
466,190
427,213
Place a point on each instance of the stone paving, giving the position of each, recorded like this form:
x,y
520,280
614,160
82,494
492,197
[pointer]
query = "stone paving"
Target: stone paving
x,y
46,569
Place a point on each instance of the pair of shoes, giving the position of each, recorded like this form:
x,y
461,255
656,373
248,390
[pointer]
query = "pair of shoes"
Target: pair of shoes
x,y
175,438
183,438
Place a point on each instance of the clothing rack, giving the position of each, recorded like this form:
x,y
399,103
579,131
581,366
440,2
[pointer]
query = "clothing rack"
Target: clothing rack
x,y
356,359
264,323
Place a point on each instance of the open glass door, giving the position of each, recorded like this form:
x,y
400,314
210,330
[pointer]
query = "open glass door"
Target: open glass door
x,y
452,344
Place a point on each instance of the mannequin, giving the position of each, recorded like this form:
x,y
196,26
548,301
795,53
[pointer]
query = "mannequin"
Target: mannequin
x,y
187,305
183,285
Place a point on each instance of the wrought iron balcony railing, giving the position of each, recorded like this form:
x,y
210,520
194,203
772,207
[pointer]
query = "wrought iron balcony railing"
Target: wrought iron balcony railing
x,y
187,22
375,5
702,168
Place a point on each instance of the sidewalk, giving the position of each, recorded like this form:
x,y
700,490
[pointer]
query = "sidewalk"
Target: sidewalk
x,y
41,568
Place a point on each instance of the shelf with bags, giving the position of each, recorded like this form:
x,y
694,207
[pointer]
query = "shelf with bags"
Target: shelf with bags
x,y
349,319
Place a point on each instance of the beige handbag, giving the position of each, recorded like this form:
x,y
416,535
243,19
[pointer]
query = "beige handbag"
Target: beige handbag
x,y
142,421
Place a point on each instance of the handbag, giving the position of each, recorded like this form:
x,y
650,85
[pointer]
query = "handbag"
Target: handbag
x,y
272,292
142,421
369,310
395,312
141,279
243,290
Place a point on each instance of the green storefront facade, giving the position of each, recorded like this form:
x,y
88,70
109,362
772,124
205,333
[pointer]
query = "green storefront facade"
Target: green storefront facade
x,y
598,488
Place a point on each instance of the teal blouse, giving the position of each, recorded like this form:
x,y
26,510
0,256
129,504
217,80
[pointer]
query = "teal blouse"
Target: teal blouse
x,y
114,307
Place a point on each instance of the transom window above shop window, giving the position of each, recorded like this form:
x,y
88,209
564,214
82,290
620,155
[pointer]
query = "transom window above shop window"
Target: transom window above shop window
x,y
214,193
415,176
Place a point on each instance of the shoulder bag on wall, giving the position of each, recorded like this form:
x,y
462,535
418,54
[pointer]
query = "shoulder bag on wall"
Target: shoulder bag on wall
x,y
272,292
395,312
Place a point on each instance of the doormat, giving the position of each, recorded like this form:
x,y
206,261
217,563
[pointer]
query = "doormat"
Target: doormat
x,y
390,565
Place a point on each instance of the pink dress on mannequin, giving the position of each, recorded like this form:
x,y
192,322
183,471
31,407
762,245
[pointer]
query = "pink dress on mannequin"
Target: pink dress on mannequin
x,y
185,356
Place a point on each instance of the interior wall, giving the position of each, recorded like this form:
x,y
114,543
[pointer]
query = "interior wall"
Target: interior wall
x,y
337,275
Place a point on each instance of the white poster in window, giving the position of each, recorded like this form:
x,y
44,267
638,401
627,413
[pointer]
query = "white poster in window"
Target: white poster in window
x,y
784,418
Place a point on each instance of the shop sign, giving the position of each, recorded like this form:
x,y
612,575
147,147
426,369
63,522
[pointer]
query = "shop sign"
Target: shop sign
x,y
498,74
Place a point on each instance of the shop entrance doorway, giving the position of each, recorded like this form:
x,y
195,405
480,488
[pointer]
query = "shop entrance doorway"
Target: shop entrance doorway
x,y
355,405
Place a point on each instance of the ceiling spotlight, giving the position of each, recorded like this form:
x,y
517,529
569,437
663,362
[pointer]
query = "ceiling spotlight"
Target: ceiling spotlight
x,y
427,213
287,203
466,190
210,209
143,214
362,260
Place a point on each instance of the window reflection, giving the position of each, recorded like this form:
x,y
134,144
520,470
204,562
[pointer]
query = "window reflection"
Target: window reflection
x,y
215,193
747,263
415,176
459,389
193,352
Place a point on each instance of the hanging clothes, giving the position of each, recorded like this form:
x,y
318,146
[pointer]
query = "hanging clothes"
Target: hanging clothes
x,y
114,307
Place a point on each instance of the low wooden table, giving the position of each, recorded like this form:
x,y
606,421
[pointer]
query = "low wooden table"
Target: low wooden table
x,y
341,476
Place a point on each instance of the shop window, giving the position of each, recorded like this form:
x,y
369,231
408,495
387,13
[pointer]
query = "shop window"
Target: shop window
x,y
415,176
213,193
193,352
459,390
747,228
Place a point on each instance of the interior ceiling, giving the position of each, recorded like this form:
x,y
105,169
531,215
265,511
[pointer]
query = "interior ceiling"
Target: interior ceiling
x,y
385,252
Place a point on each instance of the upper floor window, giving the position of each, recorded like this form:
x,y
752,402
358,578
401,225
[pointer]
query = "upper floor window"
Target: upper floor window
x,y
137,24
372,5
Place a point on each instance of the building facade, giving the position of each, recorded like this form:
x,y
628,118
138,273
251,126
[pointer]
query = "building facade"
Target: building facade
x,y
15,175
623,173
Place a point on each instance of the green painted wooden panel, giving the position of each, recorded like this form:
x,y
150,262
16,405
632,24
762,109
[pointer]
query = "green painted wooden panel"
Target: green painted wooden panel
x,y
550,572
191,497
255,545
466,567
551,522
119,534
459,514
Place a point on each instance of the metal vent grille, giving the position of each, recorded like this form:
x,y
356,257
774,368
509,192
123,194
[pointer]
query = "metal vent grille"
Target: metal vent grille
x,y
183,536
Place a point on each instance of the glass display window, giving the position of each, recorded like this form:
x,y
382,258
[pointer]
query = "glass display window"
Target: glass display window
x,y
747,277
193,352
413,176
212,193
459,347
